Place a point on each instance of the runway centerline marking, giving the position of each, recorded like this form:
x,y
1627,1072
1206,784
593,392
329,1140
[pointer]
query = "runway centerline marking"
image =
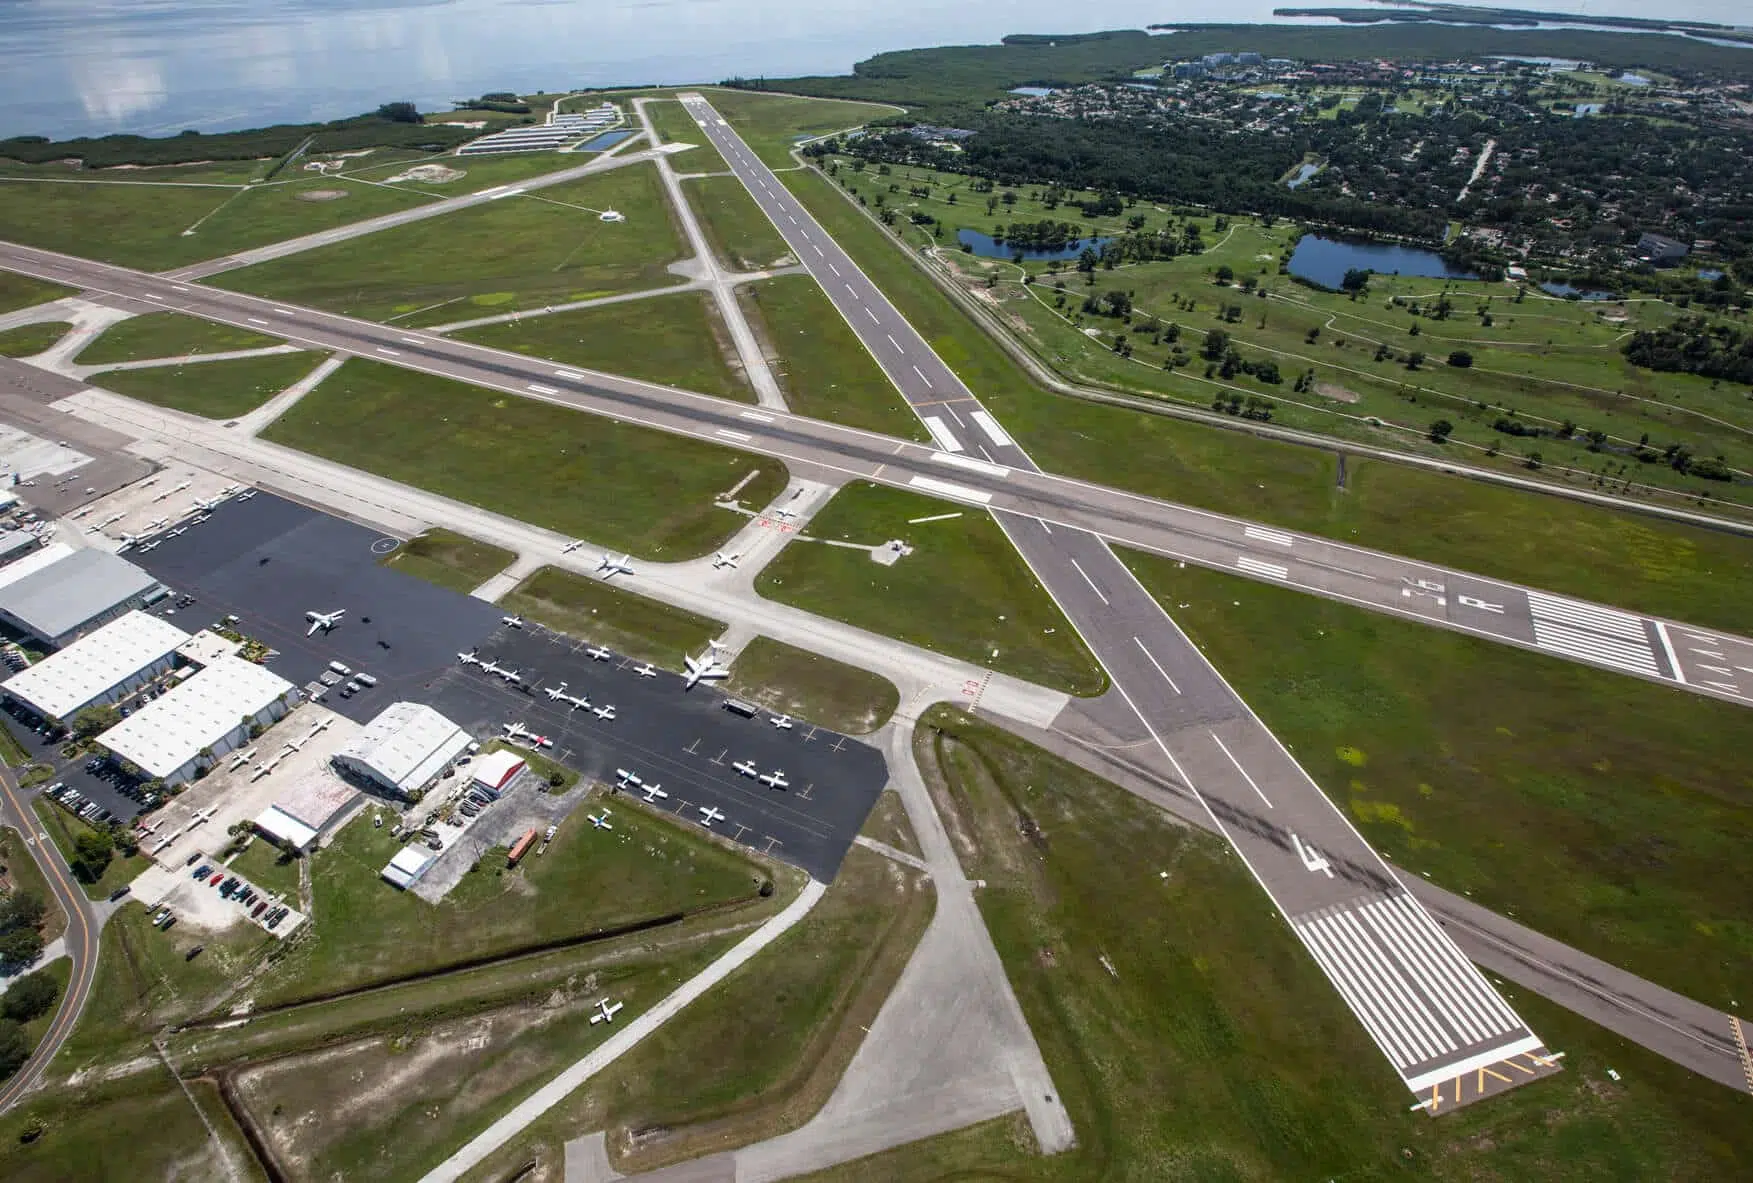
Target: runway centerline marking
x,y
1091,582
1232,759
1151,657
921,374
388,352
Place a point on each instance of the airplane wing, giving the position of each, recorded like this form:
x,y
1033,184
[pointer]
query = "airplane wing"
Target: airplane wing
x,y
314,626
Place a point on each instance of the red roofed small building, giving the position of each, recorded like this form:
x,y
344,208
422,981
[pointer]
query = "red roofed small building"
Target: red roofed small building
x,y
495,771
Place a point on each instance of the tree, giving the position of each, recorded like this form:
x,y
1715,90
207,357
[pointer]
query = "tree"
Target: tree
x,y
28,997
1357,279
1460,359
21,909
1217,343
1439,431
19,948
399,112
1225,273
92,852
1414,359
14,1049
95,720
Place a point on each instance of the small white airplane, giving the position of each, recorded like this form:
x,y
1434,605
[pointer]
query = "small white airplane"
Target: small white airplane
x,y
785,514
705,666
783,722
610,566
157,524
776,779
555,693
324,620
605,713
571,546
207,504
128,540
747,768
579,701
600,820
645,671
153,545
489,668
605,1012
516,731
711,814
599,653
626,779
513,621
653,793
726,560
179,532
246,494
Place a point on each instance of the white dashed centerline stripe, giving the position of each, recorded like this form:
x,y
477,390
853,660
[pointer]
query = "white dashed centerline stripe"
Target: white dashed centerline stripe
x,y
893,342
818,250
1151,657
256,320
1091,582
834,269
388,352
922,376
1224,748
873,316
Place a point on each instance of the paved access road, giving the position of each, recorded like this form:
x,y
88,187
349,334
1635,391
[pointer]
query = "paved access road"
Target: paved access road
x,y
80,937
1704,661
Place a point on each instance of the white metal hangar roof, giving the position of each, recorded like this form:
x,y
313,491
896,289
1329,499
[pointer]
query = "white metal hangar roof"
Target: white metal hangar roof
x,y
62,683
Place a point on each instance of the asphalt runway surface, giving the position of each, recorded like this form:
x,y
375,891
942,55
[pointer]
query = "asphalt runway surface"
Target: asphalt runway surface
x,y
268,561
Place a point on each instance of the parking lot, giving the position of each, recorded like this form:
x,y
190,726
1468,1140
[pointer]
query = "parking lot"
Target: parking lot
x,y
206,895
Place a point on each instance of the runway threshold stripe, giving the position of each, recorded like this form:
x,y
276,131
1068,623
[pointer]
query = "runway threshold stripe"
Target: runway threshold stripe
x,y
256,320
1273,536
741,437
1470,980
1362,1004
757,416
945,489
1405,1009
538,388
568,376
1594,647
1256,567
387,351
972,465
1460,1016
1605,620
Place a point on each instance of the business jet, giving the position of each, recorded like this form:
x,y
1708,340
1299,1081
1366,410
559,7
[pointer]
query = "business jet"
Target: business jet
x,y
783,722
726,560
626,779
607,714
555,693
711,814
513,621
610,566
605,1012
645,671
653,793
599,653
747,768
706,666
571,546
600,820
324,620
776,779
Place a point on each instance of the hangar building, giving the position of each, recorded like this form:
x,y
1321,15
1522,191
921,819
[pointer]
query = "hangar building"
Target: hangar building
x,y
57,594
99,668
404,748
410,863
495,771
210,714
307,811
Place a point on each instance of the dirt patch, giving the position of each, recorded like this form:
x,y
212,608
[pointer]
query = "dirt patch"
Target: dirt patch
x,y
322,195
428,174
1336,393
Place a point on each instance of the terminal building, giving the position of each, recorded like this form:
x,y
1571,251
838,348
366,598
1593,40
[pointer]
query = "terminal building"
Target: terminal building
x,y
404,749
58,594
175,736
100,668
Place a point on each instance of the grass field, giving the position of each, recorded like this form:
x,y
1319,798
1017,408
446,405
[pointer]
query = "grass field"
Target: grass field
x,y
502,256
1601,810
142,225
20,291
793,681
824,368
595,610
449,559
365,931
964,592
23,873
1621,557
29,340
771,123
64,829
1256,1070
675,126
268,867
168,334
141,1127
676,339
221,389
580,474
741,235
479,172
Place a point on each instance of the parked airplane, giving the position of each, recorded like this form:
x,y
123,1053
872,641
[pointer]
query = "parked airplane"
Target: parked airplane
x,y
605,713
606,1013
157,524
489,668
571,546
705,666
611,566
179,531
513,621
783,722
127,541
153,545
726,560
516,730
512,677
579,701
599,653
785,514
653,793
556,693
208,504
747,768
645,671
625,779
776,779
324,620
600,820
246,494
710,814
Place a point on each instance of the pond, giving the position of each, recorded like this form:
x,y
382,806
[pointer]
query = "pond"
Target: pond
x,y
1568,292
1326,260
605,141
988,247
1303,173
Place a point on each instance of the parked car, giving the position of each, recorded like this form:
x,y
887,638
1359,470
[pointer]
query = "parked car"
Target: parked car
x,y
193,859
218,878
119,892
256,912
193,953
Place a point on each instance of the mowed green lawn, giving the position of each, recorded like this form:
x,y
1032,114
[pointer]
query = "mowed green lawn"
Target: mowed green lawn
x,y
792,681
138,1127
366,931
592,609
675,126
1616,556
1215,1049
29,340
676,339
964,591
824,369
1607,812
21,291
622,486
449,559
771,123
221,389
526,251
168,334
142,225
742,236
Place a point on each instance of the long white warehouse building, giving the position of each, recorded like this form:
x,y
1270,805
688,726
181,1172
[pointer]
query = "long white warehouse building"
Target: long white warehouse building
x,y
99,668
210,714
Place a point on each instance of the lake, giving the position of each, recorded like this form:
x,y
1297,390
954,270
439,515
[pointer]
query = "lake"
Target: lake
x,y
90,67
988,247
1303,173
1566,291
1325,261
